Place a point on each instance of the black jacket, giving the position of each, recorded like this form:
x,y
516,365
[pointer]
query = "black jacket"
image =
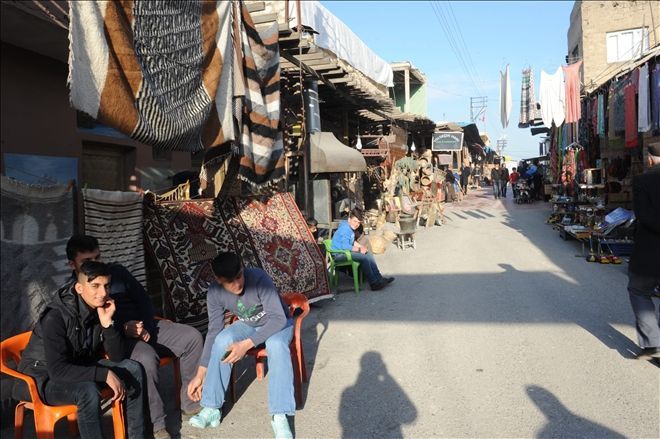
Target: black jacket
x,y
131,299
645,259
67,342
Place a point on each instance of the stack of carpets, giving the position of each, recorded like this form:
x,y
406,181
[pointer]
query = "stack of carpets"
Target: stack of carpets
x,y
184,236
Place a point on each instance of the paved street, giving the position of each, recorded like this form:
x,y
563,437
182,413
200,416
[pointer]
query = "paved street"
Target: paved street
x,y
493,328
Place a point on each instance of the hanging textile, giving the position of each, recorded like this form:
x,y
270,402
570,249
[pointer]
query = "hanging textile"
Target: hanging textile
x,y
572,91
655,97
169,90
182,76
551,97
601,115
529,114
618,107
630,116
643,101
505,97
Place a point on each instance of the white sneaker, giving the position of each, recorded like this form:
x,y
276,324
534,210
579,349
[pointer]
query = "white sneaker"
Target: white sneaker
x,y
281,428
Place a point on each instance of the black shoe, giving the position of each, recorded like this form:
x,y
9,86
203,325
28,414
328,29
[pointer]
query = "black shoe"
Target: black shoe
x,y
648,354
388,280
378,285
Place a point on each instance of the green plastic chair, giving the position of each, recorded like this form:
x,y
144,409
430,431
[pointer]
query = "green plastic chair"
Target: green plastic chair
x,y
349,262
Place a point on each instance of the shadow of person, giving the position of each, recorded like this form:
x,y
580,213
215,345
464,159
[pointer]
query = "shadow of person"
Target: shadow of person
x,y
561,422
591,318
375,406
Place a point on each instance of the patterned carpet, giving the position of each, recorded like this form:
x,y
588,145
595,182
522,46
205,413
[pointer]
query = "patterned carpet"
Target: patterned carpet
x,y
184,236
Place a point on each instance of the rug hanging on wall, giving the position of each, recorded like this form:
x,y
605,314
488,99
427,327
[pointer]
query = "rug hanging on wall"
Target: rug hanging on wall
x,y
184,236
35,225
115,219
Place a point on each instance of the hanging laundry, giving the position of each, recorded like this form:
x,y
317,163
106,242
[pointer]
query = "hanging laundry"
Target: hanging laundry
x,y
529,113
505,97
630,116
601,115
643,101
610,111
655,97
617,116
572,84
551,97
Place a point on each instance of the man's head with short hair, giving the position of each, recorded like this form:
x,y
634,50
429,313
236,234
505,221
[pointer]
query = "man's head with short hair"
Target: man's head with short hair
x,y
355,218
513,169
228,271
654,154
93,283
80,249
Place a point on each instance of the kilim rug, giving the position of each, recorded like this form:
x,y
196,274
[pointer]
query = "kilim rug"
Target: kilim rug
x,y
35,225
184,236
115,219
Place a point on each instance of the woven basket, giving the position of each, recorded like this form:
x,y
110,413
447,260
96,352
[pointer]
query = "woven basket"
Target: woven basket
x,y
378,244
389,235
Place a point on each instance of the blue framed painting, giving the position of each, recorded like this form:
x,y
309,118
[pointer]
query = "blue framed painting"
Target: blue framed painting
x,y
45,170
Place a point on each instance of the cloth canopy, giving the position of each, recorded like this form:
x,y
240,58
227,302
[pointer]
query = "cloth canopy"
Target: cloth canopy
x,y
330,155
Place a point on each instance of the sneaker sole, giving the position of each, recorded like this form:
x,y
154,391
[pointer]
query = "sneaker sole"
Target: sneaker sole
x,y
213,424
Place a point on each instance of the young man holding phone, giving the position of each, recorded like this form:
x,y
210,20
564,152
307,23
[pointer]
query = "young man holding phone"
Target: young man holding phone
x,y
65,354
248,293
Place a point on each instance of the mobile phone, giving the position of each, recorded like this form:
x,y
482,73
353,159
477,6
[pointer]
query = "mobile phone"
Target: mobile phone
x,y
224,357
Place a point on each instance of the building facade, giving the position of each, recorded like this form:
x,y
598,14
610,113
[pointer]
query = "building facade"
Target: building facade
x,y
606,35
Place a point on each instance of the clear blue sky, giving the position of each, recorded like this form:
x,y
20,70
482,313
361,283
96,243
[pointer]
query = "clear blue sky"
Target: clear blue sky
x,y
496,33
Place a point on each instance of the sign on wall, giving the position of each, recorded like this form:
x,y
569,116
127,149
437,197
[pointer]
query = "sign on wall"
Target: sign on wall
x,y
447,141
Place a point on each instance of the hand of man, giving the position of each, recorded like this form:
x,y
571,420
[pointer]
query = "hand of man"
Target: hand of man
x,y
196,384
116,385
237,350
106,312
363,250
135,329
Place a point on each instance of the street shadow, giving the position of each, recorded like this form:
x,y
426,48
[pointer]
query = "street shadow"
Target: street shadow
x,y
375,406
561,422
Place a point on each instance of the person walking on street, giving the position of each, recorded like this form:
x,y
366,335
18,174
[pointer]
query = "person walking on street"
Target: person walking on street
x,y
513,179
465,179
644,268
495,176
504,179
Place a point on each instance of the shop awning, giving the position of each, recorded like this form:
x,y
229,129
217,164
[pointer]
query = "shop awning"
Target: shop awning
x,y
330,155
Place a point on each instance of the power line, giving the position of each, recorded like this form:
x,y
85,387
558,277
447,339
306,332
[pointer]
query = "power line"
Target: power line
x,y
453,44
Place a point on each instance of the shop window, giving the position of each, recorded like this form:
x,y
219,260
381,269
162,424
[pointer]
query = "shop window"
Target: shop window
x,y
627,44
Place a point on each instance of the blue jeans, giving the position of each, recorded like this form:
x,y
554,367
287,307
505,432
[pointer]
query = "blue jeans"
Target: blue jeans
x,y
280,369
367,265
497,188
86,395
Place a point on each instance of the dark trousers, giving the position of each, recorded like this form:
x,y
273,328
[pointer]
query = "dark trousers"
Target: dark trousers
x,y
367,265
170,338
86,395
647,320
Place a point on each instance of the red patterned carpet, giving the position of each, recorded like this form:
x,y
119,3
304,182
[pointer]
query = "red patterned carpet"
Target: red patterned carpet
x,y
184,236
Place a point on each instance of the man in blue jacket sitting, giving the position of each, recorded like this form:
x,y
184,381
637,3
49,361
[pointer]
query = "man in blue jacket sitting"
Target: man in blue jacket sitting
x,y
344,239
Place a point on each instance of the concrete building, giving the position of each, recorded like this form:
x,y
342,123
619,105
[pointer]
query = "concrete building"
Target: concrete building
x,y
409,88
606,35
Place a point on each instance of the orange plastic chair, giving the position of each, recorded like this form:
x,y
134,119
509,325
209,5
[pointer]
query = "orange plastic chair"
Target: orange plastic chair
x,y
46,416
176,365
297,303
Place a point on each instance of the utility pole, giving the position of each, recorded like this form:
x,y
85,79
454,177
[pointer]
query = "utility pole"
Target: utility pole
x,y
501,144
478,107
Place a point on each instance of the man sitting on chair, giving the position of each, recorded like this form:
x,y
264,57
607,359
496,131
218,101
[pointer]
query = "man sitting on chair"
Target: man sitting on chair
x,y
147,339
66,349
263,317
344,239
